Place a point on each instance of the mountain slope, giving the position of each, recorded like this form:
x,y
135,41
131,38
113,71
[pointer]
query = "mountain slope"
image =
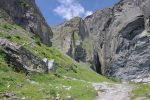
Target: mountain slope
x,y
26,14
15,84
119,38
32,70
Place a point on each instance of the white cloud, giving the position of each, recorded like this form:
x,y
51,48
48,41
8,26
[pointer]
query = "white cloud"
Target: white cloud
x,y
70,8
65,2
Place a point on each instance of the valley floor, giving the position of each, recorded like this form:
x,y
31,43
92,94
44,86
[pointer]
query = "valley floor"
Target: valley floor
x,y
107,91
72,80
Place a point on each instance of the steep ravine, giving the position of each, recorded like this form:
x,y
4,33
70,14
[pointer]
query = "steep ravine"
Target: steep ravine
x,y
113,42
116,40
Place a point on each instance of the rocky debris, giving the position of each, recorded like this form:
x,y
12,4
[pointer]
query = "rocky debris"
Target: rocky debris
x,y
23,98
142,98
31,81
70,78
67,87
19,84
9,96
69,98
21,59
26,14
50,64
108,91
142,80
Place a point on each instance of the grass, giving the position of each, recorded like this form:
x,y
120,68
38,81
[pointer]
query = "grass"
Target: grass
x,y
24,3
75,37
39,86
47,85
87,44
141,90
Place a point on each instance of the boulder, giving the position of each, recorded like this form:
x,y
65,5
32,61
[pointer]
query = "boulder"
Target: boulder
x,y
50,64
21,59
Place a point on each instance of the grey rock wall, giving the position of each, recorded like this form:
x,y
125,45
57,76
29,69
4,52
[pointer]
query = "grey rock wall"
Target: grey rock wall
x,y
122,39
26,14
119,38
69,37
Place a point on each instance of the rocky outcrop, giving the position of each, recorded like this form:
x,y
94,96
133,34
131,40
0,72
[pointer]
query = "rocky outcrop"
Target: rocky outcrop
x,y
97,25
50,64
69,38
21,59
122,39
27,15
119,39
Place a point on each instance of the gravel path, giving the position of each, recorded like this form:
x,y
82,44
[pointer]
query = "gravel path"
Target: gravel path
x,y
108,91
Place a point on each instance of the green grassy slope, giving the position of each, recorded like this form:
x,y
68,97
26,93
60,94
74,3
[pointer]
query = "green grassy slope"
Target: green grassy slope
x,y
73,79
39,86
141,90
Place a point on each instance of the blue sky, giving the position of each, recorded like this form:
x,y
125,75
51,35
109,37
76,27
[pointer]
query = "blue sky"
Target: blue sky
x,y
58,11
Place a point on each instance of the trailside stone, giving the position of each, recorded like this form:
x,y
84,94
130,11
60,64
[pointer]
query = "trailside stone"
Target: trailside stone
x,y
50,64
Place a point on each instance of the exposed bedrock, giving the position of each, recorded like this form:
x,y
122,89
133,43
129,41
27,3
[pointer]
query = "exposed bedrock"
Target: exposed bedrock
x,y
118,40
26,14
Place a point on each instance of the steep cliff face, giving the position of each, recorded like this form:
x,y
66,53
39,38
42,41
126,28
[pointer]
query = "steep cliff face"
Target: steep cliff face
x,y
71,38
119,39
27,15
97,25
122,39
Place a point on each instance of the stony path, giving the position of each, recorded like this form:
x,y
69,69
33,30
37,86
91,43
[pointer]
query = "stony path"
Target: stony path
x,y
108,91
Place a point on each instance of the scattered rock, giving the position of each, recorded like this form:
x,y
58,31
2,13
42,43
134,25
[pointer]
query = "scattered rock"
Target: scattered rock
x,y
108,91
69,98
142,80
10,96
67,87
19,84
70,78
50,64
141,98
32,82
23,98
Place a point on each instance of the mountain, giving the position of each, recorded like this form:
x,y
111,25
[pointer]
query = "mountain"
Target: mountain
x,y
26,14
115,42
38,62
29,67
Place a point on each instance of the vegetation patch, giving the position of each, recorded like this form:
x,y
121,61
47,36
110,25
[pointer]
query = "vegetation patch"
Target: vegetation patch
x,y
141,90
87,44
40,86
24,3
